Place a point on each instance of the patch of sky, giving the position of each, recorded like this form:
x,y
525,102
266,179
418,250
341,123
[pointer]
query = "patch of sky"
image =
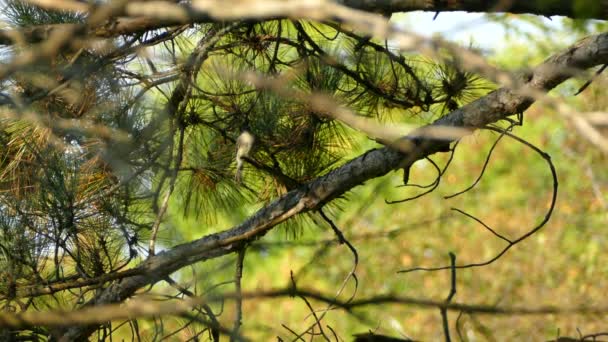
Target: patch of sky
x,y
488,32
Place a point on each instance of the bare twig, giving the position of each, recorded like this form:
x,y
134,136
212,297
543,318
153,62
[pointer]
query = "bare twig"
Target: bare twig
x,y
529,233
312,311
444,311
435,184
588,83
165,204
351,274
483,169
238,317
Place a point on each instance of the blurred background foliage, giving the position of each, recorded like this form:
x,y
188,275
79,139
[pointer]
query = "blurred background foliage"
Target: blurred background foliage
x,y
72,232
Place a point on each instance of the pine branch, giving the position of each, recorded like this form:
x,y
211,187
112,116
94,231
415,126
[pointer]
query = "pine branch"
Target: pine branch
x,y
496,106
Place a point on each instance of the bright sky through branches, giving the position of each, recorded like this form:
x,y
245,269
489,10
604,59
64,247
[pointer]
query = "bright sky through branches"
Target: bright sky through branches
x,y
467,28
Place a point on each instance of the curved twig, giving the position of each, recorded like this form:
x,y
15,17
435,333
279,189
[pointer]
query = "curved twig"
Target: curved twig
x,y
483,169
435,183
482,223
512,243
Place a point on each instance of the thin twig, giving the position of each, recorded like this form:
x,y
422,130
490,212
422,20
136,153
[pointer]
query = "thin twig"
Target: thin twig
x,y
165,204
435,183
351,274
215,324
443,310
539,226
312,311
597,73
483,224
483,169
238,300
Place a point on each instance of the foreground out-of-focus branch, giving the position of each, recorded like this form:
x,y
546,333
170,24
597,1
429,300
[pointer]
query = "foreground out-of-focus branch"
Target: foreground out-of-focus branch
x,y
142,308
140,24
491,108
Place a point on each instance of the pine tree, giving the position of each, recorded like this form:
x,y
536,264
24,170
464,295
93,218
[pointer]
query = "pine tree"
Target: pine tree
x,y
106,136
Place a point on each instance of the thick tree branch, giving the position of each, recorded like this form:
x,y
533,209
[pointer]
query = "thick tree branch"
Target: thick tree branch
x,y
132,23
491,108
538,7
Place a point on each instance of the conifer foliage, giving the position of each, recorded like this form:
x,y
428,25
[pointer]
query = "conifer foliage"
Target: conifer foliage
x,y
107,133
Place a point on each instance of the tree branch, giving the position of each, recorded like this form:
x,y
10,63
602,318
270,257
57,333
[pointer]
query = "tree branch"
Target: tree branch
x,y
142,308
538,7
131,23
491,108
